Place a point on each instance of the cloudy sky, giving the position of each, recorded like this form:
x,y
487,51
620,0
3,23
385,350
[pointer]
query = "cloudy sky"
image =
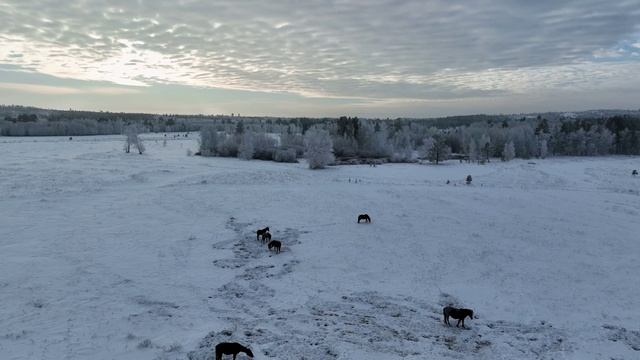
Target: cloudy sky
x,y
376,58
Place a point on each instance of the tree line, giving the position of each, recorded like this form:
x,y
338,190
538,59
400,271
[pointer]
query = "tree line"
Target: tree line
x,y
472,138
410,140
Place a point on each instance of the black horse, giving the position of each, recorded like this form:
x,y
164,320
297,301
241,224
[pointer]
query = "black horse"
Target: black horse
x,y
458,314
275,244
261,232
364,217
634,172
266,237
231,349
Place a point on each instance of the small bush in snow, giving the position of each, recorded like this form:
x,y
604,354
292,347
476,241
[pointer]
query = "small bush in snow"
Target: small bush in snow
x,y
285,155
318,148
264,146
145,344
175,347
229,146
37,303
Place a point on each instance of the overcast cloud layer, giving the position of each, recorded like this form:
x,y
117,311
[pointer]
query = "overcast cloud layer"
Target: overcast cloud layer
x,y
376,53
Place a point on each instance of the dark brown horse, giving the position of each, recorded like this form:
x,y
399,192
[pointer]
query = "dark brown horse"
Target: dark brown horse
x,y
364,217
458,314
231,349
275,244
261,232
266,237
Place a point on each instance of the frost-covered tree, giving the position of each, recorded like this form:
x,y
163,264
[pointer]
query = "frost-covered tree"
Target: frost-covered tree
x,y
474,153
402,145
345,146
132,139
209,140
228,145
264,145
484,146
542,148
509,151
318,148
436,148
427,145
246,149
290,138
372,140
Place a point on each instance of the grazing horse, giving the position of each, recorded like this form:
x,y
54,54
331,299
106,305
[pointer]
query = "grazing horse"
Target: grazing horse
x,y
458,314
275,244
261,232
364,217
231,349
634,172
266,237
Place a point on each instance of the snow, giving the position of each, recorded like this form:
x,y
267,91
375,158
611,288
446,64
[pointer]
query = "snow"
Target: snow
x,y
107,255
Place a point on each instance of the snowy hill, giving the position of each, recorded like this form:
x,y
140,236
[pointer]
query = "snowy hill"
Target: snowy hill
x,y
107,255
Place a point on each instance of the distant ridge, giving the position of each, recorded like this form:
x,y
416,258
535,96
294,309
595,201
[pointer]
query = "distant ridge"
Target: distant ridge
x,y
14,110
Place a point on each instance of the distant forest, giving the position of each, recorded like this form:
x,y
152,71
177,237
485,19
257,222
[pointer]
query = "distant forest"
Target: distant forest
x,y
473,138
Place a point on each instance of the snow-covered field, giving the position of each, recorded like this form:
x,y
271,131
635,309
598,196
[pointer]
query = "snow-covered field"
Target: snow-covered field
x,y
107,255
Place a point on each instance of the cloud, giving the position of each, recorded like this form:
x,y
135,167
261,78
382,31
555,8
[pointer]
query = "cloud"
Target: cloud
x,y
375,49
40,89
65,90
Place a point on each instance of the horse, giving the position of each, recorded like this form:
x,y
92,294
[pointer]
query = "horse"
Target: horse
x,y
458,314
634,172
276,245
231,349
364,217
266,237
261,232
